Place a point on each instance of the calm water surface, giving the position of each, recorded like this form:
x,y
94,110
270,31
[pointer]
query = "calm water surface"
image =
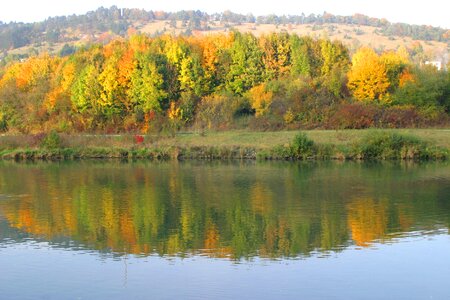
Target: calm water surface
x,y
215,230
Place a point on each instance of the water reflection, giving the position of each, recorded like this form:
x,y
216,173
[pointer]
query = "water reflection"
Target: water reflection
x,y
221,210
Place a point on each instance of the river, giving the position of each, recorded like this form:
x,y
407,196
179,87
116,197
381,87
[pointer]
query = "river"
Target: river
x,y
224,230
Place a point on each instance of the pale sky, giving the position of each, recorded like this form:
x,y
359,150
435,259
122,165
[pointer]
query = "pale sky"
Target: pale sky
x,y
429,12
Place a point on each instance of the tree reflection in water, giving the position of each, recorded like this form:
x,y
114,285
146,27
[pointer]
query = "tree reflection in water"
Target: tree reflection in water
x,y
224,210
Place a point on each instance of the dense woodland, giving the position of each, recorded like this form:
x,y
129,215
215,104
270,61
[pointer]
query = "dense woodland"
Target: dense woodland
x,y
118,21
223,81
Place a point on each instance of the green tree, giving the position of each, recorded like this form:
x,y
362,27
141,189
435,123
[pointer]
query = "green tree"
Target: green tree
x,y
86,90
191,75
334,54
429,88
246,64
147,82
299,57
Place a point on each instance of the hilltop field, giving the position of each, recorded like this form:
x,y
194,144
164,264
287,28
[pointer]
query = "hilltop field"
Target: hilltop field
x,y
61,35
353,36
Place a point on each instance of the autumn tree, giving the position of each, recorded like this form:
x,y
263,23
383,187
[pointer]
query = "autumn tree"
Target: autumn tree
x,y
260,99
336,62
147,83
24,88
86,89
246,64
396,64
111,93
367,78
214,51
276,54
428,88
300,61
334,55
191,75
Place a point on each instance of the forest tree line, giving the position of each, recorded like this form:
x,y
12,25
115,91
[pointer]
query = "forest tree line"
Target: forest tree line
x,y
222,81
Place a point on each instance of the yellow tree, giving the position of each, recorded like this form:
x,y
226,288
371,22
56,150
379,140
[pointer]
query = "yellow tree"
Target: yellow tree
x,y
61,80
175,50
68,75
276,54
334,54
213,47
260,99
33,71
367,78
112,93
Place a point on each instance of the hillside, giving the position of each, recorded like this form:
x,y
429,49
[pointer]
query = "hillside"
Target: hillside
x,y
352,35
60,35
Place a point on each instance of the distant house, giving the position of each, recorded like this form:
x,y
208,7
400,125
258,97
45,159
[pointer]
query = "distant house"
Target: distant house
x,y
435,63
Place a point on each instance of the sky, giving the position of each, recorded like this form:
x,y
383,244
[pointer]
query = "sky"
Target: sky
x,y
429,12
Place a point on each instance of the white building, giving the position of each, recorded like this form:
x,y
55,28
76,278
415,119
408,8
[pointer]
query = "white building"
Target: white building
x,y
435,63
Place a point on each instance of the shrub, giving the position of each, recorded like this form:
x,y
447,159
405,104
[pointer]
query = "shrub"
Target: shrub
x,y
3,122
301,147
400,117
51,141
187,104
266,122
386,145
354,116
138,139
219,111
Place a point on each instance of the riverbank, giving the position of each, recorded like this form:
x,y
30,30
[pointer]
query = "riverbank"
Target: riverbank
x,y
414,144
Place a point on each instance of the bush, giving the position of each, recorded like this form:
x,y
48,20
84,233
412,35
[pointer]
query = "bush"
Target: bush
x,y
301,147
429,88
266,122
386,145
220,111
400,117
51,141
354,116
187,104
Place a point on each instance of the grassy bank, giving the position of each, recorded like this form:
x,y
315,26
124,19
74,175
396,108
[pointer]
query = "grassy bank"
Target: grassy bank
x,y
416,144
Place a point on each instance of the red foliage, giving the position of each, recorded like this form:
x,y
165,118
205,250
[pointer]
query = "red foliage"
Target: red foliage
x,y
354,116
400,117
138,139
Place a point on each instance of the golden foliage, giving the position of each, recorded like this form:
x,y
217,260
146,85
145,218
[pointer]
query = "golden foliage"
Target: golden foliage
x,y
367,77
52,98
174,112
260,99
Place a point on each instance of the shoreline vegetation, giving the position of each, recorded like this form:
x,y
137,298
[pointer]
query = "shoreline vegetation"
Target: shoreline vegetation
x,y
403,144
